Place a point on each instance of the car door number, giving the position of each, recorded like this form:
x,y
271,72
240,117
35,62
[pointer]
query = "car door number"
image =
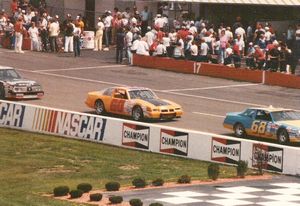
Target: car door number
x,y
117,105
258,127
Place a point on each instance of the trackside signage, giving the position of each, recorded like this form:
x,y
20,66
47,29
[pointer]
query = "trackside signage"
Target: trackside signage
x,y
69,124
135,136
268,157
12,114
174,142
225,150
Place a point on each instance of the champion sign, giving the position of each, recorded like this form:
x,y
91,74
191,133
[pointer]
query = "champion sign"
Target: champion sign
x,y
11,114
174,142
135,136
224,150
269,158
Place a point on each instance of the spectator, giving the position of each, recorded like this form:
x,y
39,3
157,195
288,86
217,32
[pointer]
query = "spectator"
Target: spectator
x,y
241,45
19,30
53,34
273,57
44,32
259,57
14,6
34,36
250,64
142,47
284,58
194,51
107,29
240,31
160,50
203,51
145,17
69,37
76,39
120,41
290,36
228,55
128,43
99,35
178,51
223,43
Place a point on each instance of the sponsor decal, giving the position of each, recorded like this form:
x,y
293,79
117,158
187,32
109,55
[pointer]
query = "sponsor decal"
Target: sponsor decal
x,y
226,151
65,123
174,142
135,136
269,158
11,114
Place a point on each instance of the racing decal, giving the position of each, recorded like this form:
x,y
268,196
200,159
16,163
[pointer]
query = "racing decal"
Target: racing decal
x,y
226,151
268,157
12,114
174,142
117,105
135,136
65,123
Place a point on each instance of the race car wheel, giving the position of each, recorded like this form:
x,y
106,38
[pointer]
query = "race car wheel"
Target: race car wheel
x,y
2,92
99,106
239,130
137,113
282,136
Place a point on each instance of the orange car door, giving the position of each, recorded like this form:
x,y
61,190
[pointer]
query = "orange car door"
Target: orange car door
x,y
118,101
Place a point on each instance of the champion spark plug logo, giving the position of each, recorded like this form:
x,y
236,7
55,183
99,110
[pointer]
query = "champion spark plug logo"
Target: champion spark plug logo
x,y
174,142
225,150
135,136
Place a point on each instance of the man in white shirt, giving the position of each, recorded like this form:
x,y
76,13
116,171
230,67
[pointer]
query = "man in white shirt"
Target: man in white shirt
x,y
53,34
150,36
99,35
203,51
128,41
160,50
194,51
142,48
34,36
240,31
107,29
159,21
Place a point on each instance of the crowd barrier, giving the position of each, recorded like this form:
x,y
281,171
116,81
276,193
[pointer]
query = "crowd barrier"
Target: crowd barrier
x,y
150,137
217,70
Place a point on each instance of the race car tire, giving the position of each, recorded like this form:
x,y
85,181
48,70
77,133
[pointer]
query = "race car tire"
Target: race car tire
x,y
283,136
2,92
99,106
137,113
239,130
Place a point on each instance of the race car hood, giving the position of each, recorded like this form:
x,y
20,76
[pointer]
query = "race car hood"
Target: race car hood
x,y
157,102
292,123
20,82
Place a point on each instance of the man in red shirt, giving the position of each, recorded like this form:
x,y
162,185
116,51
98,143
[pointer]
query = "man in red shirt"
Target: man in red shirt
x,y
259,56
14,6
19,35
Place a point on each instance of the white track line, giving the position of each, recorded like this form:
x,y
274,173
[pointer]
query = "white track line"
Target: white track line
x,y
207,114
207,88
80,68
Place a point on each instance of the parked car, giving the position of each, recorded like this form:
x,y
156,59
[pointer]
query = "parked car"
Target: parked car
x,y
137,102
13,86
279,124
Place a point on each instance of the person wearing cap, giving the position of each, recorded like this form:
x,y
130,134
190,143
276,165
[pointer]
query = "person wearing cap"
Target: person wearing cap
x,y
250,56
99,35
259,57
19,29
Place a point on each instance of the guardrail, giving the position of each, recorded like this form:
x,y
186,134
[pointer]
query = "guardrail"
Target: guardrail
x,y
217,70
150,137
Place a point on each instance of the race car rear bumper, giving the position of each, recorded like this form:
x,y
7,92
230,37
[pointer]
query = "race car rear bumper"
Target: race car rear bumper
x,y
27,95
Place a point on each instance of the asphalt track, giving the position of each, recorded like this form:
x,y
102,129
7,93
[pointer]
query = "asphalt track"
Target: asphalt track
x,y
205,100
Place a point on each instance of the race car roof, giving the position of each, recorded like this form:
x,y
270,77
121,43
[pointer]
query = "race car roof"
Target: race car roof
x,y
271,109
5,67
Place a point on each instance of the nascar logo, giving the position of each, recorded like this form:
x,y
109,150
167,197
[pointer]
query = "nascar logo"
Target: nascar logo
x,y
226,151
135,136
174,142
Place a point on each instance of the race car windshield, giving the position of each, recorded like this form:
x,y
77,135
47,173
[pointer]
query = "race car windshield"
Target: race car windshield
x,y
285,115
142,94
9,74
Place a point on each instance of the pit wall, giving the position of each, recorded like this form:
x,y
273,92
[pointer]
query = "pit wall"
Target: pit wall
x,y
217,70
149,137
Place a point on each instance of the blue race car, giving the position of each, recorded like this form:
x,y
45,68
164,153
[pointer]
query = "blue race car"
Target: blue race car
x,y
279,124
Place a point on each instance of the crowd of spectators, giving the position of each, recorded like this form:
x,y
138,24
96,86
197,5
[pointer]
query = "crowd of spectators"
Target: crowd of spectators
x,y
137,32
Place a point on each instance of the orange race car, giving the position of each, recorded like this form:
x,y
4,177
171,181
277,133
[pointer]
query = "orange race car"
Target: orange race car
x,y
137,102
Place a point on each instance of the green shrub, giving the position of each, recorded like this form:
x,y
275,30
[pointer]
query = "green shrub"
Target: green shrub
x,y
85,187
213,171
112,186
115,199
61,191
241,168
96,197
156,204
158,182
136,202
139,182
76,193
184,179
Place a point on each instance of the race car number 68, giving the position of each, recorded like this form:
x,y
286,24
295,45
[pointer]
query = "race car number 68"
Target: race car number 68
x,y
258,127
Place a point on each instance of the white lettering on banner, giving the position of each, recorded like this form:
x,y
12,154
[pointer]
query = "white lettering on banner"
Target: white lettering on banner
x,y
177,141
80,126
197,66
11,114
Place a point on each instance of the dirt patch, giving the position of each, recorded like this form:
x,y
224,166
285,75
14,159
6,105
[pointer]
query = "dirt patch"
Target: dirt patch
x,y
129,167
